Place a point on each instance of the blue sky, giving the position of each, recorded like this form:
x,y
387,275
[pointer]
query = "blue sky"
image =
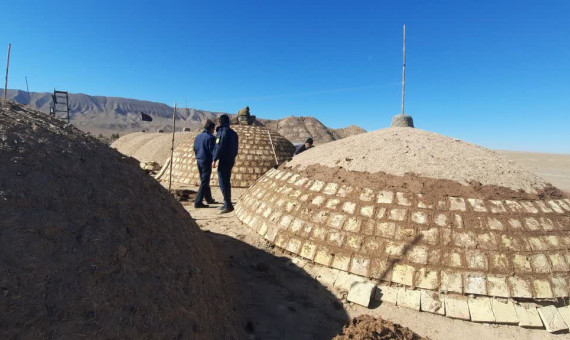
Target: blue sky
x,y
495,73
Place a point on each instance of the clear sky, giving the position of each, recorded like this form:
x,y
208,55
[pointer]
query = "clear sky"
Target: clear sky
x,y
495,73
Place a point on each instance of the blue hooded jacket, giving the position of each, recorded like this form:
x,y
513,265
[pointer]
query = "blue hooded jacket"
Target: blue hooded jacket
x,y
204,145
226,148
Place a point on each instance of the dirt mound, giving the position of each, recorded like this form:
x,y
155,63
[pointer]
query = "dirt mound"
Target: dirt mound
x,y
91,247
397,151
366,327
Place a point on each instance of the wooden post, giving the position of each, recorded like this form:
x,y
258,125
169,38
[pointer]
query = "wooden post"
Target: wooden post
x,y
28,89
172,147
273,148
187,114
404,72
7,68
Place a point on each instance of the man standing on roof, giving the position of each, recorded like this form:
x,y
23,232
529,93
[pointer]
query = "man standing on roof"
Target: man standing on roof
x,y
304,147
204,145
225,154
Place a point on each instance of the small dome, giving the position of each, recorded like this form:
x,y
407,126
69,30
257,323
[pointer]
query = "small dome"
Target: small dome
x,y
419,209
260,149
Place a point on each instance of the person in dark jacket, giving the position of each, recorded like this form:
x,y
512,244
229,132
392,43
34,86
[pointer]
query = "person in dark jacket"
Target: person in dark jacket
x,y
225,154
204,145
303,147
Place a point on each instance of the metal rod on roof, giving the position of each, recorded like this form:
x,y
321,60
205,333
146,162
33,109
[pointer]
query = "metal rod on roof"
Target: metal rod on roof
x,y
7,69
404,72
172,147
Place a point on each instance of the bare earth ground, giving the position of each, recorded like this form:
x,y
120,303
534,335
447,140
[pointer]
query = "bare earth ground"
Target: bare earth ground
x,y
554,168
284,301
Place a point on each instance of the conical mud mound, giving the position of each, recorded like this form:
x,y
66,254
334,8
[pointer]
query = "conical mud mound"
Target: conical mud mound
x,y
414,208
260,149
91,247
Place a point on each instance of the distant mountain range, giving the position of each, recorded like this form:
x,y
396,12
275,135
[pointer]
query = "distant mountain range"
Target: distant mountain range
x,y
108,115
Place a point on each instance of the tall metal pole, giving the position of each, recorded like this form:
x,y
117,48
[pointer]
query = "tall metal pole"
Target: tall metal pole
x,y
404,72
7,68
172,147
28,89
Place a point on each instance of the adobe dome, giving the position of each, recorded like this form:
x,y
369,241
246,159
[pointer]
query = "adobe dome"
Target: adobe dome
x,y
84,252
419,209
150,146
259,148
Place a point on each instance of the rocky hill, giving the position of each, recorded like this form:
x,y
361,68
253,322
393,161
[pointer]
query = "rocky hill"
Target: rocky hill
x,y
349,131
112,114
108,115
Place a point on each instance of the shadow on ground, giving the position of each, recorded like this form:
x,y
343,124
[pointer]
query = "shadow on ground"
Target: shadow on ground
x,y
279,300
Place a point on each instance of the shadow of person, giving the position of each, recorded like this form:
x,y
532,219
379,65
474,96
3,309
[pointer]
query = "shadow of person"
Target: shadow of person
x,y
278,299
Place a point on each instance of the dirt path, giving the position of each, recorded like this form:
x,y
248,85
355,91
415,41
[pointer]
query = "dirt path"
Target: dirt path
x,y
280,299
283,301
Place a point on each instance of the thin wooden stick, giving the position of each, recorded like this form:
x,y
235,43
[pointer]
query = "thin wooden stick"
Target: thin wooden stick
x,y
172,147
28,89
7,69
404,72
273,148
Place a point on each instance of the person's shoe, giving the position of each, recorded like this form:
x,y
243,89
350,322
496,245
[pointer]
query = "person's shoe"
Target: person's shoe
x,y
212,202
221,208
227,210
200,205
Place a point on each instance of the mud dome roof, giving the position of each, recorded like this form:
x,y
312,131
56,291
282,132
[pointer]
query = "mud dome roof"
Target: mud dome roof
x,y
84,252
398,151
418,223
150,146
255,157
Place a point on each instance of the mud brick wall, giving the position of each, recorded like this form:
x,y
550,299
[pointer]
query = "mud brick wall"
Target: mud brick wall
x,y
495,247
255,157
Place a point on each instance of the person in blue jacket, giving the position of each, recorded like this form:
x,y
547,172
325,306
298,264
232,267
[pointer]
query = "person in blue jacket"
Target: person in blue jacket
x,y
304,147
204,145
225,154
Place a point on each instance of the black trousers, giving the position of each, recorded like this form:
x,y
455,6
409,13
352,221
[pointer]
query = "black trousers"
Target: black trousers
x,y
224,174
205,169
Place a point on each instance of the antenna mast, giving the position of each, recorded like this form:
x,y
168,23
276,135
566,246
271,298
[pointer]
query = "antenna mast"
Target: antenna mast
x,y
404,71
402,119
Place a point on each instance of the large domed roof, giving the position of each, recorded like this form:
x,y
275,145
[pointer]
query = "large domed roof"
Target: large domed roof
x,y
398,151
415,208
84,254
260,149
